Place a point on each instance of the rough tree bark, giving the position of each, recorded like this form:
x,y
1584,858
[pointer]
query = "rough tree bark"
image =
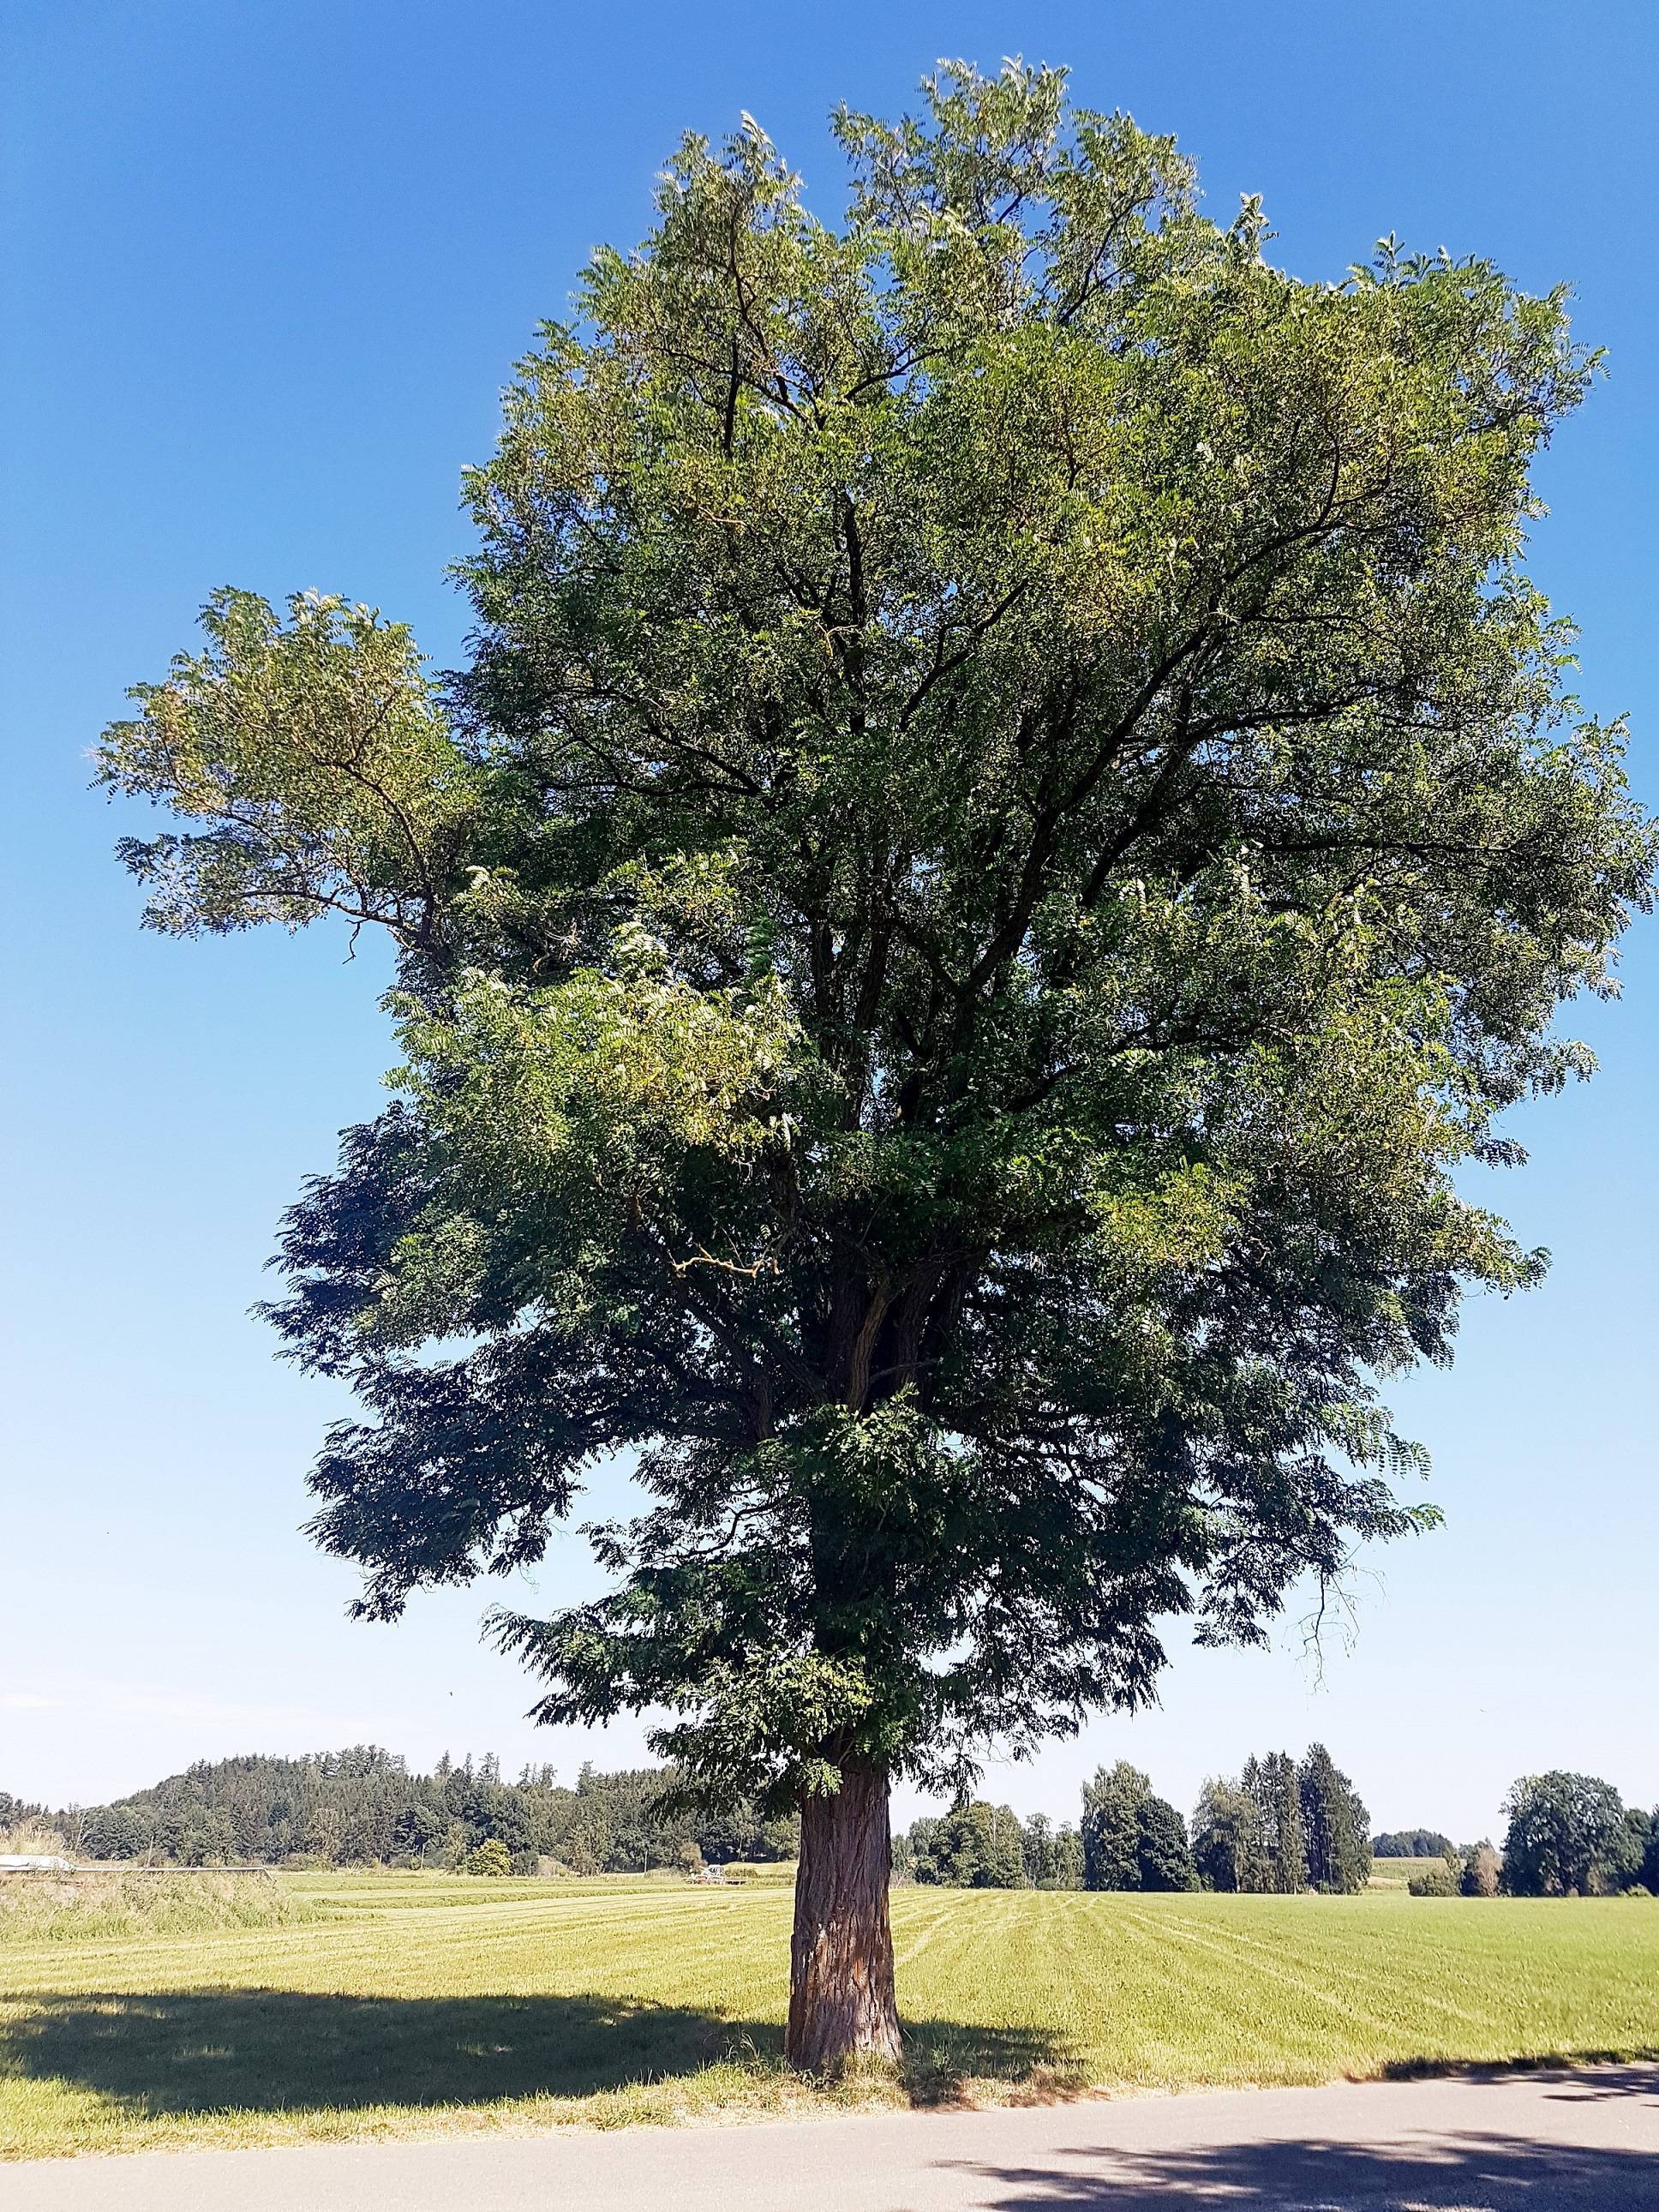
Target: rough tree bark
x,y
841,1957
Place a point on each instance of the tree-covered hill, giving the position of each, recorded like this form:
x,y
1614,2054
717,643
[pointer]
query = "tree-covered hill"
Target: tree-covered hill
x,y
363,1806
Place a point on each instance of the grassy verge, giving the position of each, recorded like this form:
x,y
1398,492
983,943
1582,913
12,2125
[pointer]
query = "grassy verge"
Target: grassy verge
x,y
420,2005
43,1908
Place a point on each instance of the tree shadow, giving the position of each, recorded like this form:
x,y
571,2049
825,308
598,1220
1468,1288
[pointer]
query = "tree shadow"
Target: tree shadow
x,y
1614,2067
1466,2170
186,2052
191,2052
1623,2082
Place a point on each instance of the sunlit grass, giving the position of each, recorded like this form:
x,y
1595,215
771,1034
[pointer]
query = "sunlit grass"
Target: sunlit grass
x,y
433,2004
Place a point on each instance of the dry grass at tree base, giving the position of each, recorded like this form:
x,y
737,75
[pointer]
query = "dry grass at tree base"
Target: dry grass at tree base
x,y
427,2004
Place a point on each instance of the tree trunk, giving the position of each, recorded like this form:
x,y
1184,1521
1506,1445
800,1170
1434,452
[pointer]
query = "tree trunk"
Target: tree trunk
x,y
841,1957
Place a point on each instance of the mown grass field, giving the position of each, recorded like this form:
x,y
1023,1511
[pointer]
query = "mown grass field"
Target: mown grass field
x,y
1396,1873
424,2005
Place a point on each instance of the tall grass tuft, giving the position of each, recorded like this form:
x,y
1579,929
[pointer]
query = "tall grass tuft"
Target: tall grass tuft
x,y
32,1839
46,1908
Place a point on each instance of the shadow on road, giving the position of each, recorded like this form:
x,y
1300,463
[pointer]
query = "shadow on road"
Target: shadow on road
x,y
191,2052
1468,2170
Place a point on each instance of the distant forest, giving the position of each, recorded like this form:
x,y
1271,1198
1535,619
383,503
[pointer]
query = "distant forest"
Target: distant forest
x,y
1283,1825
1411,1844
363,1807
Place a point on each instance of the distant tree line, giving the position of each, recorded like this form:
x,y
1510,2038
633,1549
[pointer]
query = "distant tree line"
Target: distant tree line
x,y
1569,1835
1282,1826
1573,1835
363,1807
1411,1844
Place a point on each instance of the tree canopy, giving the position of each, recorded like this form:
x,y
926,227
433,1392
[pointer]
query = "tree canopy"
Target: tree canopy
x,y
1011,822
363,1807
1566,1833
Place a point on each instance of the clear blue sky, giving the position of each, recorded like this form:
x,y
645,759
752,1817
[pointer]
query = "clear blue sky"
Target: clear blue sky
x,y
266,270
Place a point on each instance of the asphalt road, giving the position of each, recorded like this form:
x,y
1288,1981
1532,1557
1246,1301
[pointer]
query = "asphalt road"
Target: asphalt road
x,y
1550,2143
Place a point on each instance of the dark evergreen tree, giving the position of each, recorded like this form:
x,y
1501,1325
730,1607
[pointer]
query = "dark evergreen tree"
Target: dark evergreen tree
x,y
1335,1824
1287,1847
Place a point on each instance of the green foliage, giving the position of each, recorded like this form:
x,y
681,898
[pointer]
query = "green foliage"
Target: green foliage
x,y
1227,1845
1164,1859
1562,1829
1620,1863
1110,1827
1282,1826
1442,1877
973,1846
1335,1824
317,758
363,1807
1012,821
1131,1838
1272,1785
490,1858
1410,1843
1054,1856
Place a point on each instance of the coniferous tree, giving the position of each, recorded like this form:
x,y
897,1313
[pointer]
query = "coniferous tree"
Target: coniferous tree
x,y
1288,1848
1335,1824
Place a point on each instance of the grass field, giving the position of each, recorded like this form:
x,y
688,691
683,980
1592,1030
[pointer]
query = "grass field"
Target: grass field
x,y
1395,1873
413,2004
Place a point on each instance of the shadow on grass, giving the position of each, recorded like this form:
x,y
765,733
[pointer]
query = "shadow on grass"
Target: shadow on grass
x,y
1471,2169
195,2052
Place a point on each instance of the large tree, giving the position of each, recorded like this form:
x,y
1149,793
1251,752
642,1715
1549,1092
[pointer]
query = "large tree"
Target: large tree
x,y
1011,822
1563,1828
